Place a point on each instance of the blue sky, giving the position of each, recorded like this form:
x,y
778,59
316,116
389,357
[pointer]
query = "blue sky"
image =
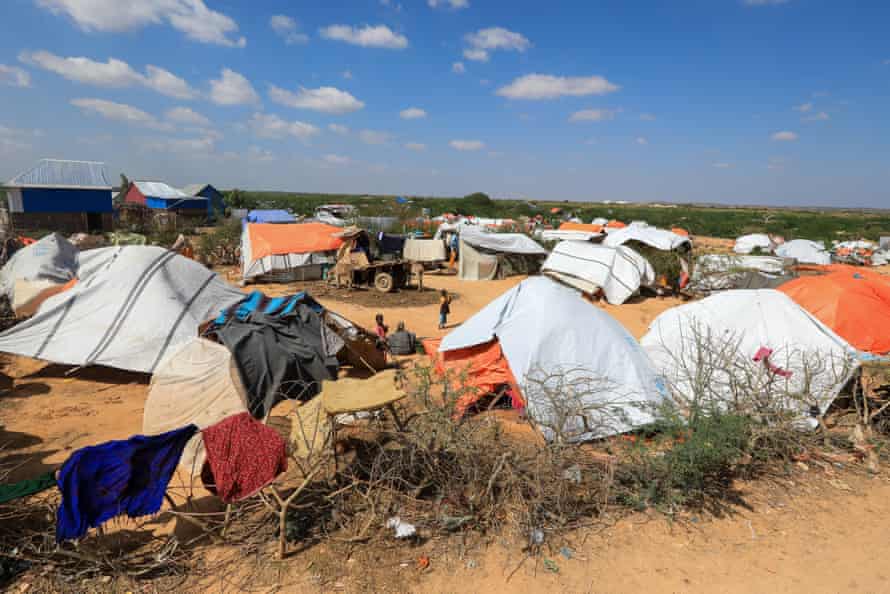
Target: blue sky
x,y
737,101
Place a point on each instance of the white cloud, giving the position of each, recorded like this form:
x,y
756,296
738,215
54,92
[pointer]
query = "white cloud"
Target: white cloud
x,y
764,2
412,113
367,36
120,112
191,146
112,73
454,4
723,165
642,140
647,117
415,146
338,129
323,99
231,88
186,115
347,74
14,76
191,17
286,28
785,136
484,41
776,163
458,68
546,86
267,125
15,140
804,107
374,137
256,153
332,159
593,115
467,145
818,117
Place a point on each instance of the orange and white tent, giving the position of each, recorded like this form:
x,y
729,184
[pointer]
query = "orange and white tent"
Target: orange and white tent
x,y
302,248
854,303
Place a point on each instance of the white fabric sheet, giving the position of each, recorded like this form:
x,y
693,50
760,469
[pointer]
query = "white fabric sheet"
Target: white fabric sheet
x,y
619,272
658,238
746,243
804,251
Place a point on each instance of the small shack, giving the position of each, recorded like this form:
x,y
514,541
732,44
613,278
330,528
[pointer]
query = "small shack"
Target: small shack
x,y
64,196
216,204
161,197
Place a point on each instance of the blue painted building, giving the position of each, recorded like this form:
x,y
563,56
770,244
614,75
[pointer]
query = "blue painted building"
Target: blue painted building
x,y
216,203
59,195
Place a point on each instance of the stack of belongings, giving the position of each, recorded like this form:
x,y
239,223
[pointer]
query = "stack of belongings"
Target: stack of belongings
x,y
37,272
719,272
541,340
489,256
756,344
129,306
617,272
804,251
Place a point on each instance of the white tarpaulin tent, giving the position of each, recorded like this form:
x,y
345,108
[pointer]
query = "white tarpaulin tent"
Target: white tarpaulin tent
x,y
714,263
660,239
588,267
130,306
747,243
694,345
550,335
482,255
567,235
35,271
804,251
197,383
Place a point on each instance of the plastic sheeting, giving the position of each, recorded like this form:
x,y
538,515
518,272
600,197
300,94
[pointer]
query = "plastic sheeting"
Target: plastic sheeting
x,y
511,243
658,238
804,251
269,248
694,345
195,384
747,243
569,235
712,263
619,272
424,250
131,305
269,216
42,266
549,333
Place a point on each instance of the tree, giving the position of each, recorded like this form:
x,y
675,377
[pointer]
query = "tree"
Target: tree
x,y
239,199
125,183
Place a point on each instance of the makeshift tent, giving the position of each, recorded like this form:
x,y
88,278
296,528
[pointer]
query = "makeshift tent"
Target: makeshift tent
x,y
297,251
651,236
759,337
486,256
552,338
746,279
717,272
424,250
618,271
680,231
38,271
714,263
601,221
572,231
613,224
862,253
269,216
748,243
856,306
197,384
131,305
804,251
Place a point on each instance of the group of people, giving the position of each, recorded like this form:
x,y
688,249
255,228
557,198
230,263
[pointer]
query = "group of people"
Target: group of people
x,y
402,342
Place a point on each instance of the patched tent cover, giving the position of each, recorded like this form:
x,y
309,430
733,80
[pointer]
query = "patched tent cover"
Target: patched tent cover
x,y
273,247
694,345
553,339
618,271
196,384
658,238
747,243
805,251
36,269
131,305
486,256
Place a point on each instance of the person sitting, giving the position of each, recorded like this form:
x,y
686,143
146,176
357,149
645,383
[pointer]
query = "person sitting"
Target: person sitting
x,y
402,342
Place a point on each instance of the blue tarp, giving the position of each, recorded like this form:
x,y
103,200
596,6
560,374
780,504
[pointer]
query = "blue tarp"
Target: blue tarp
x,y
270,216
176,203
65,200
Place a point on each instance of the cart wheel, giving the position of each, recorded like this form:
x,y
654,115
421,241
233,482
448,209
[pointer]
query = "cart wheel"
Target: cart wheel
x,y
384,282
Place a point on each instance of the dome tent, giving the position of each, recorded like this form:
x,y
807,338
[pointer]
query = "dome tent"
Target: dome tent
x,y
546,331
804,251
768,341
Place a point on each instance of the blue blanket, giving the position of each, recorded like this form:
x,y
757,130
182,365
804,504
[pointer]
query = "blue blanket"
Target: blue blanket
x,y
117,477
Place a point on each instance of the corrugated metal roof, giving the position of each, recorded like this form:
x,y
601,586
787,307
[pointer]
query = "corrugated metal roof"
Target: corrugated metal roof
x,y
194,189
155,189
56,173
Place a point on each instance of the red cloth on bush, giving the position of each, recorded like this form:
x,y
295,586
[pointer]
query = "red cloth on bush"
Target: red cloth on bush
x,y
243,456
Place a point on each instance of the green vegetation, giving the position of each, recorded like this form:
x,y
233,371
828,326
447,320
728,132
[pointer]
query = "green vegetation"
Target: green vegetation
x,y
826,225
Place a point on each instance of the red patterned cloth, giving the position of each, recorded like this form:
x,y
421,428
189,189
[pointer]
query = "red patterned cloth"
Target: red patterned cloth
x,y
243,456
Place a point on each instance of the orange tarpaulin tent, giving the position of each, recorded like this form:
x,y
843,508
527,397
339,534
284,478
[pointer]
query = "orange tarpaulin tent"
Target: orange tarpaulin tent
x,y
300,238
482,367
680,231
581,227
854,303
615,225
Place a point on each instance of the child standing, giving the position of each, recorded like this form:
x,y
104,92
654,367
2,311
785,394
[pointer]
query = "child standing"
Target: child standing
x,y
444,308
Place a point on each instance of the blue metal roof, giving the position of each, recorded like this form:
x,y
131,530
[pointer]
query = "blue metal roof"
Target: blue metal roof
x,y
56,173
270,216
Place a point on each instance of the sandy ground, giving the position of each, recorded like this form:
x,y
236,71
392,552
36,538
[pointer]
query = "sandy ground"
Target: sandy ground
x,y
828,537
